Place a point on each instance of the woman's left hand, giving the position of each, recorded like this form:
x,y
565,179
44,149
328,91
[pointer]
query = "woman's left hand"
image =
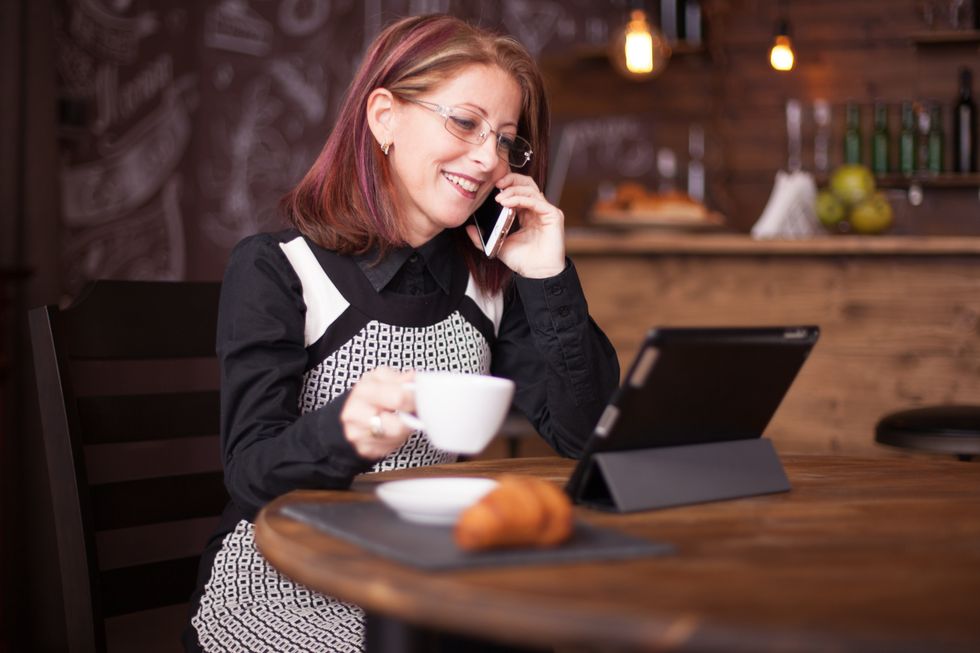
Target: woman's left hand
x,y
537,249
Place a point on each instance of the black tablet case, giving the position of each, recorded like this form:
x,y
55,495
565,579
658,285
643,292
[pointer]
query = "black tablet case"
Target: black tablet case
x,y
686,424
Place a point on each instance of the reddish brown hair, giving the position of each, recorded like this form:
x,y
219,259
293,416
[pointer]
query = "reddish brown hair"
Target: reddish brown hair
x,y
345,202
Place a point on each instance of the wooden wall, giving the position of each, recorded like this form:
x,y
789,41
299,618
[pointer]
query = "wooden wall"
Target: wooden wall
x,y
847,50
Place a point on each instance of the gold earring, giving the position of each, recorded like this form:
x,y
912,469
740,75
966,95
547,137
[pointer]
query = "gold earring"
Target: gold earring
x,y
385,147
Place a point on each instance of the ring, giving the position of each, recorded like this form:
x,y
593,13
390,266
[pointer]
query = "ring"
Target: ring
x,y
377,428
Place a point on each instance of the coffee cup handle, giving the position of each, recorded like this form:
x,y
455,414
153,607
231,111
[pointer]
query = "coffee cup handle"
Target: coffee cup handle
x,y
409,419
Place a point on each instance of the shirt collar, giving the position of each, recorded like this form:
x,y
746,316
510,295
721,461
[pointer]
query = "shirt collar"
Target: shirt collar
x,y
436,254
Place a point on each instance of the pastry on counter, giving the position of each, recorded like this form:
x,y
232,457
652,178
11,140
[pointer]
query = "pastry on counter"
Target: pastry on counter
x,y
633,204
674,205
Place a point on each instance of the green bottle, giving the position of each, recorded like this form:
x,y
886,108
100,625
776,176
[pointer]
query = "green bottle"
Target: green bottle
x,y
934,161
879,141
852,134
906,141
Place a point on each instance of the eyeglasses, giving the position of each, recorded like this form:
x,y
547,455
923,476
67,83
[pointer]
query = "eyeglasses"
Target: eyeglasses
x,y
473,128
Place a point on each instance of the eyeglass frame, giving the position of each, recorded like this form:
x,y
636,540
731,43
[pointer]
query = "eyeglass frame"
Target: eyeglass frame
x,y
446,112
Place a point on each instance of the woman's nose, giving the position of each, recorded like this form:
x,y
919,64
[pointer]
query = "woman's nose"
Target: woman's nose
x,y
486,153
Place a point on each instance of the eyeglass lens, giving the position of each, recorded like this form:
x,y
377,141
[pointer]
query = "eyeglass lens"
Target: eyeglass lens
x,y
473,128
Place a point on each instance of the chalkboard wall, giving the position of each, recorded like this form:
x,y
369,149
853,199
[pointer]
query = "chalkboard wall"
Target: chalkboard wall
x,y
183,121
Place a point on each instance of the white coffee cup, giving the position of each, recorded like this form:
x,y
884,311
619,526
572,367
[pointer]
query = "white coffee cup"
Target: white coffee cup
x,y
460,413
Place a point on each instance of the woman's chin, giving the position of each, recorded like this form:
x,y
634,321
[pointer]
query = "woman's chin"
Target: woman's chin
x,y
455,222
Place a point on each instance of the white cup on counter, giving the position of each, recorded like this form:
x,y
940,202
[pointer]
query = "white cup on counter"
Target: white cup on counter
x,y
460,413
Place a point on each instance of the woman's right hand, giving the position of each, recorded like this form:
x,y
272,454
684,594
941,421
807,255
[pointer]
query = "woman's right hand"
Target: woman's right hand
x,y
378,393
537,249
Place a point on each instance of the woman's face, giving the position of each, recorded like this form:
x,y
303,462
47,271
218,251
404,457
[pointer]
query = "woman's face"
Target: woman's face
x,y
439,179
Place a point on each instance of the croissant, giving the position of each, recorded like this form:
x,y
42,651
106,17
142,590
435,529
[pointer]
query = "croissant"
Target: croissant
x,y
520,512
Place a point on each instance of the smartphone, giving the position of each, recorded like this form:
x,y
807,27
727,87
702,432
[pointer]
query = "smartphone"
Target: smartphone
x,y
492,223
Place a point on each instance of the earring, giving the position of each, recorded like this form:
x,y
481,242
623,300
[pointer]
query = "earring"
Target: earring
x,y
385,147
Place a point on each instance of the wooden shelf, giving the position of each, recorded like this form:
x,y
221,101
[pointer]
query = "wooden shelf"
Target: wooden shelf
x,y
947,37
945,180
680,48
601,52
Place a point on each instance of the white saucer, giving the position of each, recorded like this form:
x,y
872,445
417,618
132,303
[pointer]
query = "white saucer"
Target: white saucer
x,y
433,500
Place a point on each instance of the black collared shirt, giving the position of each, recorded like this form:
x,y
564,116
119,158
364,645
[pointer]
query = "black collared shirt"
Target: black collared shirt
x,y
564,367
408,271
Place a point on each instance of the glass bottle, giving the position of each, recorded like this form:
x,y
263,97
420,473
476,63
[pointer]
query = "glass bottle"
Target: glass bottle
x,y
965,126
821,139
852,134
906,141
695,163
934,161
879,141
922,156
692,22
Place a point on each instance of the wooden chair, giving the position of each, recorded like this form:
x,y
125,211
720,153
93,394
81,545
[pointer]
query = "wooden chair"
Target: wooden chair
x,y
127,385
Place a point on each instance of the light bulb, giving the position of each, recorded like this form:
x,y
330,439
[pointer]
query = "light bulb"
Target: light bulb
x,y
640,50
781,56
639,45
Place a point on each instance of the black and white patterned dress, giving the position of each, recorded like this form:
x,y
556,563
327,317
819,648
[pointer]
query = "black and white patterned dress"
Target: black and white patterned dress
x,y
292,310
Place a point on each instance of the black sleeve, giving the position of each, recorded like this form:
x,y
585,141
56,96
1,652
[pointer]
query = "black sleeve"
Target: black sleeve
x,y
564,366
268,448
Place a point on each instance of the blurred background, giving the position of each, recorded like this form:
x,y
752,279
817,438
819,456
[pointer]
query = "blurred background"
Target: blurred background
x,y
141,139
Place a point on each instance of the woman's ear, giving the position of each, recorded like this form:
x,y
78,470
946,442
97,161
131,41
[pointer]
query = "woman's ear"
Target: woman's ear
x,y
381,115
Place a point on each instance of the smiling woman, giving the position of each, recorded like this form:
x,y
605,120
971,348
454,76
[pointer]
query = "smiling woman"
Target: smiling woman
x,y
440,177
322,327
352,176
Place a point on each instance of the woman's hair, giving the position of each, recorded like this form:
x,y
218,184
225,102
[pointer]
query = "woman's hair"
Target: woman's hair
x,y
345,202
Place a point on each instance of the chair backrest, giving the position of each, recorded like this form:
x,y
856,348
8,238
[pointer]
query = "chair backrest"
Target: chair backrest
x,y
127,385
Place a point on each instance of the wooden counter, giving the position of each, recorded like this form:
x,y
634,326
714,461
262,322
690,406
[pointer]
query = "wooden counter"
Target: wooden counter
x,y
593,241
900,316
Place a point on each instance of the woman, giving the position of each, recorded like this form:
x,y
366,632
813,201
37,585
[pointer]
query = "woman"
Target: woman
x,y
321,326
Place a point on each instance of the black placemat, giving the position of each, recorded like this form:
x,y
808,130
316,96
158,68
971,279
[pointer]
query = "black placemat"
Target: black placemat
x,y
379,530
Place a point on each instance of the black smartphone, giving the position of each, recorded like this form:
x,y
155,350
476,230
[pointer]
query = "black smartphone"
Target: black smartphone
x,y
493,222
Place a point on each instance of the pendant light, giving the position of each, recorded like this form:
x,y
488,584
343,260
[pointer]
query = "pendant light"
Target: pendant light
x,y
640,50
781,55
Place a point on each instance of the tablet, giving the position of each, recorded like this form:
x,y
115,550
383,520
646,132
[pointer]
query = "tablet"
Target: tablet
x,y
698,385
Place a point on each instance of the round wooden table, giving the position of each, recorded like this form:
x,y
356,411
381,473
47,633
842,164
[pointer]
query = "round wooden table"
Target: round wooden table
x,y
861,555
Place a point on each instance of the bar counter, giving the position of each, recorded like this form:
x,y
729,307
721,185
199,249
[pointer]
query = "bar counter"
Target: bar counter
x,y
900,316
593,241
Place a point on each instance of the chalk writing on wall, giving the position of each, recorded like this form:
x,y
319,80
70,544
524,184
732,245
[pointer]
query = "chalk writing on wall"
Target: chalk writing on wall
x,y
274,74
121,183
199,115
545,26
607,148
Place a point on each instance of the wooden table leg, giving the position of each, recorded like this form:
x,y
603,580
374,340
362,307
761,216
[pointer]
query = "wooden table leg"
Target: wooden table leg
x,y
386,635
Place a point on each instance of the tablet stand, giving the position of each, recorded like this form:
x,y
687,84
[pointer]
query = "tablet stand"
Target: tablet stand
x,y
640,479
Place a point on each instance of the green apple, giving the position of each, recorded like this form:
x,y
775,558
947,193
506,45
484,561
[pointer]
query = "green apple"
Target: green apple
x,y
852,184
830,210
872,216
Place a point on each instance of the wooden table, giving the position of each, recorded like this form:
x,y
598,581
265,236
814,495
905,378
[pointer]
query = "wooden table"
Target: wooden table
x,y
862,555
